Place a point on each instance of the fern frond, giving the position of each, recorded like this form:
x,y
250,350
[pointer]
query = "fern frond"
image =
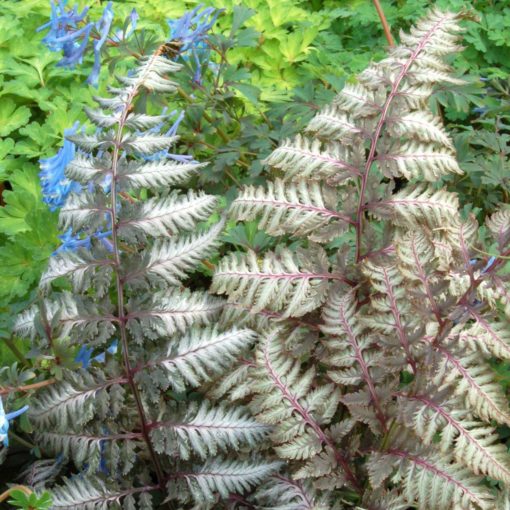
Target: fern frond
x,y
433,483
41,473
89,143
156,174
71,316
499,225
419,205
205,430
171,311
474,444
91,450
414,160
83,210
285,398
72,402
281,493
333,123
301,209
144,121
80,268
421,126
351,348
100,119
281,281
146,143
168,215
119,424
91,493
475,382
436,35
203,353
358,100
85,169
225,477
491,337
151,74
391,308
170,260
307,159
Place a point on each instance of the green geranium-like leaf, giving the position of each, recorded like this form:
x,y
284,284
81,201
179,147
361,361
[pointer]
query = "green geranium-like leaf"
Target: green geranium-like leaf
x,y
11,117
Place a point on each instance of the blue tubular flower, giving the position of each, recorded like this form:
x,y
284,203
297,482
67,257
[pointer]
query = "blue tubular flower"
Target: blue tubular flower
x,y
165,153
191,31
175,126
84,355
101,358
480,109
55,185
66,35
104,237
71,242
4,422
103,27
192,27
489,264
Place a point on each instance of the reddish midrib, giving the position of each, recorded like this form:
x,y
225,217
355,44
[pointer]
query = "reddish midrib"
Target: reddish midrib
x,y
364,369
434,469
378,129
309,419
460,429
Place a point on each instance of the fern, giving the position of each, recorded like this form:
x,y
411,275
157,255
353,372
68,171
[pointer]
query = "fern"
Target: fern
x,y
373,358
132,427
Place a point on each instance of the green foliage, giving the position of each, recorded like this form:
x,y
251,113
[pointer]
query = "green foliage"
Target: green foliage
x,y
36,106
30,502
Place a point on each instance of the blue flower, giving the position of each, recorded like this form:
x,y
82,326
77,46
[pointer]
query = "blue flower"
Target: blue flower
x,y
192,27
56,187
101,358
104,237
4,422
84,355
191,31
489,264
61,22
72,242
103,27
480,109
172,131
66,35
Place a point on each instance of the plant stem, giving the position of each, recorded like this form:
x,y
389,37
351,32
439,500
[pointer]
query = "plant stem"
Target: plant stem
x,y
387,435
120,286
371,158
28,387
9,491
12,346
384,21
20,440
